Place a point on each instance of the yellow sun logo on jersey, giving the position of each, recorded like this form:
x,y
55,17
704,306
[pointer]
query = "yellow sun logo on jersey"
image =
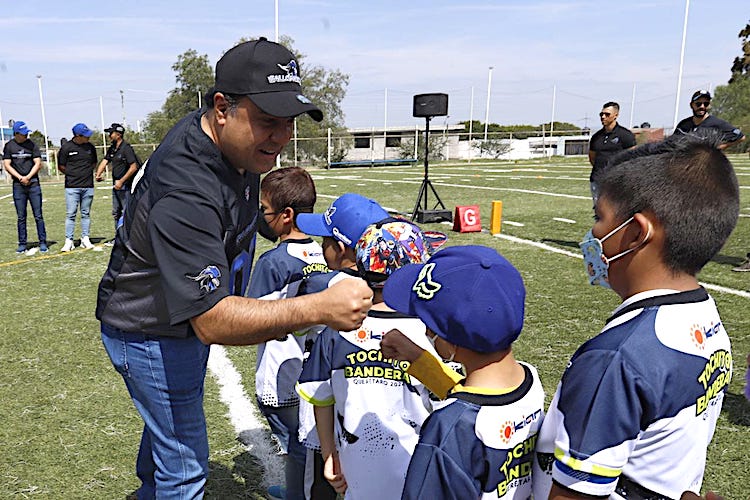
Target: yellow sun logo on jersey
x,y
506,432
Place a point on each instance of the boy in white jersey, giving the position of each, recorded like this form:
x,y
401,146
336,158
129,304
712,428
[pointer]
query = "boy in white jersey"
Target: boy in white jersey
x,y
368,410
637,405
481,443
285,193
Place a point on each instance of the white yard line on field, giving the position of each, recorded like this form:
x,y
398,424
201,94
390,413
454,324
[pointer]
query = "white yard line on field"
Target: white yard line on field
x,y
243,416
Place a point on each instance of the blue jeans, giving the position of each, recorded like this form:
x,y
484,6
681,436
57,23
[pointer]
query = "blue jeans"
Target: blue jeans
x,y
74,198
33,195
284,423
164,376
119,201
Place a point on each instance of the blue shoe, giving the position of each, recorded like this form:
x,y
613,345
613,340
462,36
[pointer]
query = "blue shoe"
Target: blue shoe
x,y
277,491
43,247
21,249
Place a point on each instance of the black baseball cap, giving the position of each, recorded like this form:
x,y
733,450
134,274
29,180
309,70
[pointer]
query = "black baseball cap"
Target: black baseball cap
x,y
700,93
115,127
268,74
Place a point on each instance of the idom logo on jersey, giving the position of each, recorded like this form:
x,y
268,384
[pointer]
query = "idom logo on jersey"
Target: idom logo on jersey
x,y
292,73
425,286
208,279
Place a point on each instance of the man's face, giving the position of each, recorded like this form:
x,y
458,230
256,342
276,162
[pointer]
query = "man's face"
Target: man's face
x,y
251,139
700,107
608,116
20,137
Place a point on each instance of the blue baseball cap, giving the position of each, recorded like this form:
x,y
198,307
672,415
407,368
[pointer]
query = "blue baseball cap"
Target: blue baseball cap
x,y
345,220
20,128
82,129
470,296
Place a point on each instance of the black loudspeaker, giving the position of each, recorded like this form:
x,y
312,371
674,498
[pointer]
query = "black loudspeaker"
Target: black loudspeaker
x,y
428,105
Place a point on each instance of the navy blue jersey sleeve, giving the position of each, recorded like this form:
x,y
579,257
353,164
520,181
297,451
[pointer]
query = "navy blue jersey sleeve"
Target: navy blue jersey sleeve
x,y
185,232
604,402
267,277
435,475
314,384
444,461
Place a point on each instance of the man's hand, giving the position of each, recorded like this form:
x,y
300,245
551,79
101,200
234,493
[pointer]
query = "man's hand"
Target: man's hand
x,y
118,184
396,345
332,472
99,176
24,180
344,305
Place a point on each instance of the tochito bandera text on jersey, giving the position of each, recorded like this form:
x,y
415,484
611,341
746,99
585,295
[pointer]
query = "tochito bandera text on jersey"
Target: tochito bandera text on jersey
x,y
378,407
637,405
480,444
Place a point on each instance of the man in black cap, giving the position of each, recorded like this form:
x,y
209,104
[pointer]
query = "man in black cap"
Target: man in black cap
x,y
124,166
701,121
182,258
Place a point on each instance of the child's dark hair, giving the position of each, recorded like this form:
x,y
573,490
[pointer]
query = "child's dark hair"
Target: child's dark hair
x,y
290,187
688,184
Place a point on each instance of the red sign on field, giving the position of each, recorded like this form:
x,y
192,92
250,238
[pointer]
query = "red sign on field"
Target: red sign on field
x,y
467,219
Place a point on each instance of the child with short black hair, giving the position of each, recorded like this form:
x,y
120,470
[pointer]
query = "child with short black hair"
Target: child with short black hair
x,y
481,443
637,405
285,193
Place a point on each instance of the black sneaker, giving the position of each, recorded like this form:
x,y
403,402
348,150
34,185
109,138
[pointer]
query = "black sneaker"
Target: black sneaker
x,y
744,267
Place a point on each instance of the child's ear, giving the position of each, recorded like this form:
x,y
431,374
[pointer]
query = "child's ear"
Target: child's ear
x,y
646,223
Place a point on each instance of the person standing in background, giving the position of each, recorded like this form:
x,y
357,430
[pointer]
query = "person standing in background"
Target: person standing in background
x,y
124,164
23,160
77,160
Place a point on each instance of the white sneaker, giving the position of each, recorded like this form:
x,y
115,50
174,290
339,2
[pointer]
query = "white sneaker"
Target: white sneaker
x,y
68,246
86,242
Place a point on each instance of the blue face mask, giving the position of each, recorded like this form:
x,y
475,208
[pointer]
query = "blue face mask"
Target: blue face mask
x,y
597,264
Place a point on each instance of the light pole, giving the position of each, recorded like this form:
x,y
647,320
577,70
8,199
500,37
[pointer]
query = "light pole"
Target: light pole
x,y
44,121
487,111
682,60
122,103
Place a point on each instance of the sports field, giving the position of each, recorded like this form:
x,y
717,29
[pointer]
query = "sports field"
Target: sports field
x,y
69,429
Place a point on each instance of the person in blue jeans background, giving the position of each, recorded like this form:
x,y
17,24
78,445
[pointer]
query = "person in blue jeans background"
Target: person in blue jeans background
x,y
23,160
77,160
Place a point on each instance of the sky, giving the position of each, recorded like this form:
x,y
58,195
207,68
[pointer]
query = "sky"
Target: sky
x,y
558,59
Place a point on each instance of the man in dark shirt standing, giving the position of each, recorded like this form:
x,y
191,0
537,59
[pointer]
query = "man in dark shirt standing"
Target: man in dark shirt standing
x,y
124,166
23,160
183,255
700,123
77,160
609,140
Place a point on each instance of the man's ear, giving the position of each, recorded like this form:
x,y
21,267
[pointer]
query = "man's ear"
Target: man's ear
x,y
645,222
221,107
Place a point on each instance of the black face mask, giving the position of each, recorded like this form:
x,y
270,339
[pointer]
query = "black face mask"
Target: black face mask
x,y
265,230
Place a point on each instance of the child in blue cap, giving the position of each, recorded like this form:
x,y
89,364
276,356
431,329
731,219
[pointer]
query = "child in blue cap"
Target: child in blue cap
x,y
480,444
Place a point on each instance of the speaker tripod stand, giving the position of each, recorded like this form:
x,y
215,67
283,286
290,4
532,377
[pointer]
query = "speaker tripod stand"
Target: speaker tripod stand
x,y
421,211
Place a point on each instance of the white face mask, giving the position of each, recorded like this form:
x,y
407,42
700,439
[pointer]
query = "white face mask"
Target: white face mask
x,y
597,264
432,340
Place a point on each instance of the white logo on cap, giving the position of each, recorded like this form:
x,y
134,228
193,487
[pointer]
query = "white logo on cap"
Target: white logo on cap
x,y
328,214
425,286
292,74
303,99
341,236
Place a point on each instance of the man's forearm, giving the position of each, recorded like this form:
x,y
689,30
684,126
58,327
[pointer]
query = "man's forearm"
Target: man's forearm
x,y
244,321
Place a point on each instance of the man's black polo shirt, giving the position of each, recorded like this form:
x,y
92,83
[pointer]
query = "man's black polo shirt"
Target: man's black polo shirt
x,y
729,133
79,161
608,144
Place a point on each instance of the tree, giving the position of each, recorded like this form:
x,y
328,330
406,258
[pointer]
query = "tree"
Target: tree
x,y
193,75
731,102
741,64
